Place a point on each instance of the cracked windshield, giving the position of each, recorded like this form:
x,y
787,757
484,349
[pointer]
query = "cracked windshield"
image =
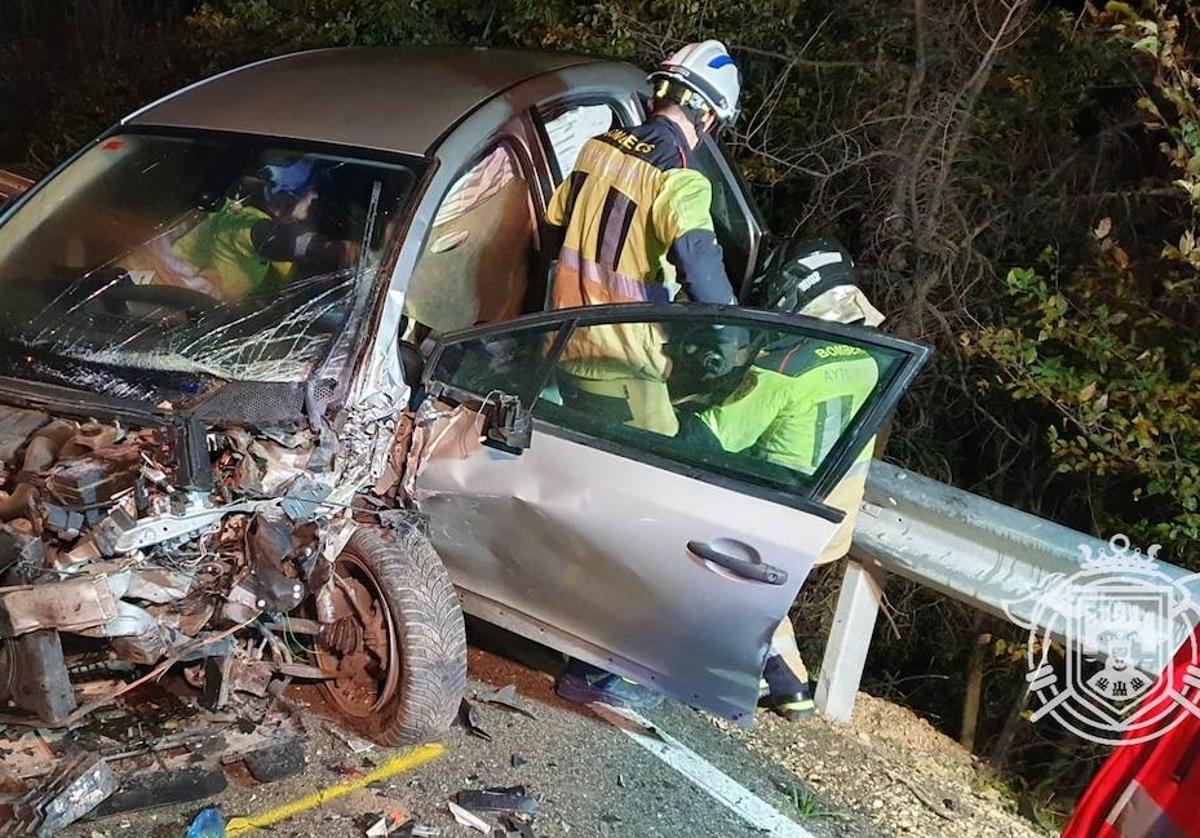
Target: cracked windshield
x,y
210,257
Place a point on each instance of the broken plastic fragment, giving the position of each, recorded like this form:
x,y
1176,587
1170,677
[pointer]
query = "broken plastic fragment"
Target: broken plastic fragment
x,y
465,818
507,697
209,823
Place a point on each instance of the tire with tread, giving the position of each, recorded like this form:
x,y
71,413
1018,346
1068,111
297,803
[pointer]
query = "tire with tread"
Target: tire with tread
x,y
431,637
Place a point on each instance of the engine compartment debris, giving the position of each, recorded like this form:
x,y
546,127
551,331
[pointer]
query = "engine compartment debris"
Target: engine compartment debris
x,y
149,748
68,794
136,543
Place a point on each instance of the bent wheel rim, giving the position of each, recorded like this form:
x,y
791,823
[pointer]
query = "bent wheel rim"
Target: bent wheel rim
x,y
372,668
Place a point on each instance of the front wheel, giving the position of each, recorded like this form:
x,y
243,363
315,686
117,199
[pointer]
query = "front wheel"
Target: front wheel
x,y
399,642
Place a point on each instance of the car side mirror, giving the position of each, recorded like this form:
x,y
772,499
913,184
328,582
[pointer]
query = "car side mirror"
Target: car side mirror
x,y
508,424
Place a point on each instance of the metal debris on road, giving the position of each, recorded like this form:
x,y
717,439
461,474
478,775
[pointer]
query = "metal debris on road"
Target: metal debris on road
x,y
393,767
356,744
393,823
75,789
517,761
506,697
511,799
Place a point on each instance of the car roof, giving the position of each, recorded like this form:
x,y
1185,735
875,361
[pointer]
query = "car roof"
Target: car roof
x,y
398,100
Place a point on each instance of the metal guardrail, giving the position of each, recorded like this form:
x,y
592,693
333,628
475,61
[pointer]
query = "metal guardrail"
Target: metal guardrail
x,y
993,557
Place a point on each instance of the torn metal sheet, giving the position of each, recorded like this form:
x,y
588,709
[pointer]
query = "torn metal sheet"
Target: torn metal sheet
x,y
17,546
506,697
508,799
105,535
70,605
76,789
252,677
303,497
34,677
16,426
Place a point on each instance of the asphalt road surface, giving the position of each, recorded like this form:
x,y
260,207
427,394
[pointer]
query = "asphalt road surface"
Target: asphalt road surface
x,y
593,773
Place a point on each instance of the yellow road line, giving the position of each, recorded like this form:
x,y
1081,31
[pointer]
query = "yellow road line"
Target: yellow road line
x,y
396,765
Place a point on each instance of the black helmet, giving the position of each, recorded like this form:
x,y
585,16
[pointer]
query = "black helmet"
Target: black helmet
x,y
799,272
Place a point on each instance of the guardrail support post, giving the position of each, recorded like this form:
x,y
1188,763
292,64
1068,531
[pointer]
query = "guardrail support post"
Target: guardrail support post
x,y
849,639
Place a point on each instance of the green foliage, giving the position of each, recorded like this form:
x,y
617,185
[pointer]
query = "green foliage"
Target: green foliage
x,y
1123,381
1104,343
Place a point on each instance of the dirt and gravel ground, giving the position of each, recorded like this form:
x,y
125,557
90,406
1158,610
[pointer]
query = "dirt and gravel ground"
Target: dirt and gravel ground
x,y
887,774
890,768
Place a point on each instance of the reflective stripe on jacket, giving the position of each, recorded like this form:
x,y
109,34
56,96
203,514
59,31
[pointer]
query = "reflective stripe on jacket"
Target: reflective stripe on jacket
x,y
630,203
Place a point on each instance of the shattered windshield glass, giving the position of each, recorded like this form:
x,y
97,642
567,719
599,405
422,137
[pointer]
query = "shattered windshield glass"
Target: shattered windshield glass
x,y
225,257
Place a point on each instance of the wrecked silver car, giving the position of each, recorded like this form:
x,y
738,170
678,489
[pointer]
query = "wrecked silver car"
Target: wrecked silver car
x,y
275,397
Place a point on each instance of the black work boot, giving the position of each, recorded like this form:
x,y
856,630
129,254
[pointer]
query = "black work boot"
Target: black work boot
x,y
794,706
785,692
583,683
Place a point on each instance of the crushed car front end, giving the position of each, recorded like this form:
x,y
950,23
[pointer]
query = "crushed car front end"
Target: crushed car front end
x,y
184,456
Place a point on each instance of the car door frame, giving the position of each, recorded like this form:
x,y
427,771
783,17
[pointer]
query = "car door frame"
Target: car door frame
x,y
756,226
624,103
840,458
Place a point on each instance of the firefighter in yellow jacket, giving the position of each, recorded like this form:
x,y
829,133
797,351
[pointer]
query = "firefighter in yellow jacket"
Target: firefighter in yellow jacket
x,y
636,226
635,223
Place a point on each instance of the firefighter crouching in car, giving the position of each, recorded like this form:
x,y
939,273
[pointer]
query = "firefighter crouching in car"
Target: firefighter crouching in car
x,y
794,403
631,213
238,249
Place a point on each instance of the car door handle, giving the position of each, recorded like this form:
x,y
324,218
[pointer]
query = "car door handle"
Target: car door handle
x,y
758,571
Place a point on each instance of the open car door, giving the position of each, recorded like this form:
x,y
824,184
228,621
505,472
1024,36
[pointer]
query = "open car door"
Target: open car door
x,y
660,543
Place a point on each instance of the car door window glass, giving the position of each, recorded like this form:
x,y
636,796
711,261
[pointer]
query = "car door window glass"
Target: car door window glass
x,y
730,218
476,264
569,130
750,400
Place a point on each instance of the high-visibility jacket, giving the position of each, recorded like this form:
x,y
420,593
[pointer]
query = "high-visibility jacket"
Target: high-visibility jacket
x,y
224,242
795,403
631,204
791,408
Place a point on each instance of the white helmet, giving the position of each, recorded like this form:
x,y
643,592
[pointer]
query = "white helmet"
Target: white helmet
x,y
707,69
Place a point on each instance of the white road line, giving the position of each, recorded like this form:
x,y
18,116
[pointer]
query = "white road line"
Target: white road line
x,y
719,785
